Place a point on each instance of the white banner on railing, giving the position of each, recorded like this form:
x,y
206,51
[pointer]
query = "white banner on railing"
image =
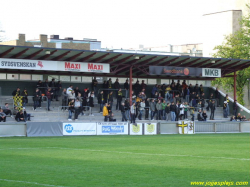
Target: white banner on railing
x,y
112,128
150,128
79,129
135,129
6,63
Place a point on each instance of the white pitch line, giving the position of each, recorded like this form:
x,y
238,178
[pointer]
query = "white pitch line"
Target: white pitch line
x,y
152,154
149,154
49,185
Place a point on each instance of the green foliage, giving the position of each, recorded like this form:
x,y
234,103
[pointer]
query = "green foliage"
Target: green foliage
x,y
236,46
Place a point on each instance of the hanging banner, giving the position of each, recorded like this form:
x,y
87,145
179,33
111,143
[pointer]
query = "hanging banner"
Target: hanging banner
x,y
175,71
135,129
150,128
186,127
112,128
79,129
184,71
6,63
54,65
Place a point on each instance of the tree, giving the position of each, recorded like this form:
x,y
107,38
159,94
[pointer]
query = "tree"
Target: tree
x,y
236,46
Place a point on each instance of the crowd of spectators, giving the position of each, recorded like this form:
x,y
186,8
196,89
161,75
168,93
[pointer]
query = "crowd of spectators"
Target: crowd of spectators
x,y
176,101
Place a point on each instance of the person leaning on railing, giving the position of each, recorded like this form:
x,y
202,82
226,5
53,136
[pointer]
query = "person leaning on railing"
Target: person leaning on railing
x,y
64,99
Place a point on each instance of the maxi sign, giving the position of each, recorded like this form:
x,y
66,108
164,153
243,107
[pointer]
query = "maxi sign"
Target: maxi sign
x,y
184,71
53,65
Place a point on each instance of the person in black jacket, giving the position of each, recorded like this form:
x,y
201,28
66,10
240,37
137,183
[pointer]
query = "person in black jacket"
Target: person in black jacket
x,y
172,111
20,116
204,115
199,116
37,98
235,108
225,109
167,111
127,109
126,87
119,99
117,87
100,98
111,99
217,96
124,118
147,109
212,107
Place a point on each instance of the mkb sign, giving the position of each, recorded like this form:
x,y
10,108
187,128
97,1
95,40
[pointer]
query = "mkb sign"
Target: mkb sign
x,y
210,72
184,71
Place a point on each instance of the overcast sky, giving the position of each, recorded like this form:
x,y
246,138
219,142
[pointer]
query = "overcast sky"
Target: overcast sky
x,y
116,23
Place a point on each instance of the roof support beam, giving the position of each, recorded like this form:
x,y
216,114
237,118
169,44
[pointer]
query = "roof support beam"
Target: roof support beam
x,y
180,62
190,63
124,59
86,58
6,52
111,59
20,53
209,65
47,56
120,69
99,58
74,57
199,64
157,61
170,61
221,64
33,55
61,56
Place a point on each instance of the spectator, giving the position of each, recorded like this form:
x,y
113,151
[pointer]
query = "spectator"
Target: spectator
x,y
199,116
49,95
20,116
238,117
71,95
147,109
182,110
159,109
105,112
163,104
186,106
52,86
167,111
225,109
69,89
235,108
2,116
124,118
39,84
117,87
154,89
217,96
25,97
71,109
77,91
26,115
101,101
126,87
77,108
91,102
37,99
232,118
204,115
141,109
152,106
172,111
132,112
111,117
177,111
212,107
58,90
16,92
64,99
143,85
127,109
227,100
7,110
110,99
137,88
119,99
94,85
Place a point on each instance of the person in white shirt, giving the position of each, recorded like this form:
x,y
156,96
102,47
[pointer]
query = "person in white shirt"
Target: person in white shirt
x,y
141,109
69,89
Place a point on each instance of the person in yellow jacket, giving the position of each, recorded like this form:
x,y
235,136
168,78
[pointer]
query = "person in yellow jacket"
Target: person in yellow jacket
x,y
105,112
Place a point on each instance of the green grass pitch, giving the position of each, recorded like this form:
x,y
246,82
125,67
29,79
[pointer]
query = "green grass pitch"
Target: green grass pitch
x,y
161,160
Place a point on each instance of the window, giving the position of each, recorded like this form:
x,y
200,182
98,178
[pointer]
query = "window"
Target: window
x,y
65,78
25,77
37,77
2,75
86,79
151,81
12,76
76,79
